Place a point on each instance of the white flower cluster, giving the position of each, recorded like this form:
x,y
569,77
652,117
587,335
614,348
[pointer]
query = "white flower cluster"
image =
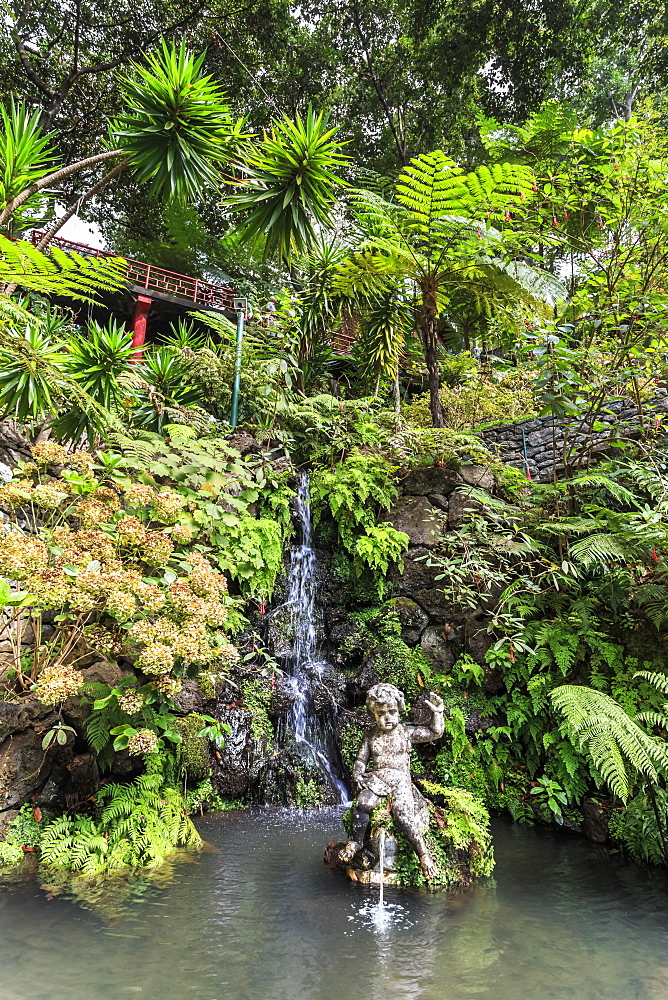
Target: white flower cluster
x,y
143,742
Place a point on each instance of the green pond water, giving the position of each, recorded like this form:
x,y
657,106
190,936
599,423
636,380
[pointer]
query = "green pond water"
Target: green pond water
x,y
261,918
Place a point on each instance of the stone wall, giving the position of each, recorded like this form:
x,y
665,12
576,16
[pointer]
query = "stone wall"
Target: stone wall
x,y
620,421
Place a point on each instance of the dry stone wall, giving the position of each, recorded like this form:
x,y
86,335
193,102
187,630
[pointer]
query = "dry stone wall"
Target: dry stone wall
x,y
543,435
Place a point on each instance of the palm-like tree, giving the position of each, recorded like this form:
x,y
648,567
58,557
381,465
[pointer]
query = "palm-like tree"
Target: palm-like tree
x,y
287,184
174,131
439,235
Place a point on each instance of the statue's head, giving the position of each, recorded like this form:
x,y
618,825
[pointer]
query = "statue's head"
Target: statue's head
x,y
385,703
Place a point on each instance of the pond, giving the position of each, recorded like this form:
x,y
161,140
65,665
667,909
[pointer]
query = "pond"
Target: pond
x,y
261,918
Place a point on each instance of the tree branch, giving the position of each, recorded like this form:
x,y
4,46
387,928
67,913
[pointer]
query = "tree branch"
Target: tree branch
x,y
28,67
54,178
378,87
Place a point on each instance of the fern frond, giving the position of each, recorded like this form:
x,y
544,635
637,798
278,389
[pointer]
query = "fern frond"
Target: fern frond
x,y
600,549
59,273
619,749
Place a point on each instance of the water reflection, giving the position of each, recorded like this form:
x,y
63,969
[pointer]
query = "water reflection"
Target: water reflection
x,y
265,920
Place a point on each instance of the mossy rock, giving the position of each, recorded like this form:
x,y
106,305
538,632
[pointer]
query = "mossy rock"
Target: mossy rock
x,y
193,750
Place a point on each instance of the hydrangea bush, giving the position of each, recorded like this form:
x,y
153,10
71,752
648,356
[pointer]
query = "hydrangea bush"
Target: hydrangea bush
x,y
110,562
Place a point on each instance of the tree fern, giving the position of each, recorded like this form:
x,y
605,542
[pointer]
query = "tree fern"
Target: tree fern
x,y
620,750
58,273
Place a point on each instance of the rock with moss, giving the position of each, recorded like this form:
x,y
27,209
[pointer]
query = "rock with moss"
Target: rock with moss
x,y
193,750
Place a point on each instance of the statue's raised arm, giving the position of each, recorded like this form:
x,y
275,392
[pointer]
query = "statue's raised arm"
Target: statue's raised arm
x,y
434,731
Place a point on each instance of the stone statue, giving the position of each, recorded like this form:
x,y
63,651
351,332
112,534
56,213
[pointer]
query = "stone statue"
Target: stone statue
x,y
387,746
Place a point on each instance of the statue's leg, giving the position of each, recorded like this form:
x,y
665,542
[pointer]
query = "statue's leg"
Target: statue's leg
x,y
406,819
365,803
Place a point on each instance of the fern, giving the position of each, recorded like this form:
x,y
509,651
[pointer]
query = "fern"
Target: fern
x,y
600,549
58,273
617,746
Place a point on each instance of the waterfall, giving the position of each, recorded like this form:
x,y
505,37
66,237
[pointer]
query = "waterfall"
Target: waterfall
x,y
304,664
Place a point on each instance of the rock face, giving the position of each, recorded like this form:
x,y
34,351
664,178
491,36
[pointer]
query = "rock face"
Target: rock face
x,y
14,448
238,764
415,516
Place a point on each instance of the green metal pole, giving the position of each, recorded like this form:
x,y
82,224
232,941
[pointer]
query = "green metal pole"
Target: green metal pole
x,y
237,369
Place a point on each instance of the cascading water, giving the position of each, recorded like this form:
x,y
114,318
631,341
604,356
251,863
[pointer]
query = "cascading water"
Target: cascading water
x,y
304,664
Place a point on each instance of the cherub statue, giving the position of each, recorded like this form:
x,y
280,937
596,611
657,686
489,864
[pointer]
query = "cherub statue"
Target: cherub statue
x,y
388,746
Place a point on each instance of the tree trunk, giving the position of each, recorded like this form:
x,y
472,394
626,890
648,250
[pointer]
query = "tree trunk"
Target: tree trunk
x,y
428,330
50,180
396,390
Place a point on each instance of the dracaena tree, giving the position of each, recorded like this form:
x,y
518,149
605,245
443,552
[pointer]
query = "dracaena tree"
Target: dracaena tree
x,y
287,185
444,230
173,132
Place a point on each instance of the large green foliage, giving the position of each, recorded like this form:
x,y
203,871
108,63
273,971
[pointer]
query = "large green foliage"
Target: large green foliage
x,y
177,126
446,230
288,183
619,748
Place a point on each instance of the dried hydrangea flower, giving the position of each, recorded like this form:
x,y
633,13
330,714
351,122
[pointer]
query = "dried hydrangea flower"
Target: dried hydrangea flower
x,y
91,513
228,655
49,453
168,686
121,605
131,530
16,494
57,682
181,534
131,702
157,547
156,658
139,495
21,555
168,505
143,742
81,461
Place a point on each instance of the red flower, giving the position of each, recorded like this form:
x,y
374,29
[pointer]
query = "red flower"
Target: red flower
x,y
512,655
654,555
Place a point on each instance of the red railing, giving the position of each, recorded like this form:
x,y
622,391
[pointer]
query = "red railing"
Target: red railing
x,y
155,279
342,343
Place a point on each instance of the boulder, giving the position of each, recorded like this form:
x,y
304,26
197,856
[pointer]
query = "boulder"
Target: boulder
x,y
17,716
420,713
330,693
13,446
477,475
460,507
190,698
243,442
418,581
283,697
437,648
416,517
238,763
428,479
412,618
101,671
595,822
30,774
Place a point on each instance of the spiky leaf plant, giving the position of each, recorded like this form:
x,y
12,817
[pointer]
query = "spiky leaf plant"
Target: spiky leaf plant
x,y
24,155
178,126
289,178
